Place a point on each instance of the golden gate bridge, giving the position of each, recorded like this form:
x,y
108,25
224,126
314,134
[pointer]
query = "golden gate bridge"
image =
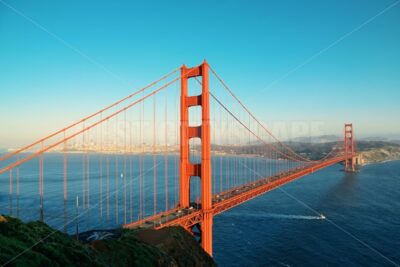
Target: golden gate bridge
x,y
178,151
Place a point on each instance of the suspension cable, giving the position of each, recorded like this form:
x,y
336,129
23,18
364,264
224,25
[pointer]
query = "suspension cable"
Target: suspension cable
x,y
88,117
42,150
251,114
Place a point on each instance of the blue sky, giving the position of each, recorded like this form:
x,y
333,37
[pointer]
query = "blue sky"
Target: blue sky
x,y
252,44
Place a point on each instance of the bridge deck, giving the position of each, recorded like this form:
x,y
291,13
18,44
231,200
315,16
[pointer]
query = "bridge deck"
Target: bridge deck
x,y
231,198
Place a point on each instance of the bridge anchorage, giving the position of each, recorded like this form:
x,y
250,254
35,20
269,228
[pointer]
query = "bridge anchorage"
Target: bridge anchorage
x,y
104,169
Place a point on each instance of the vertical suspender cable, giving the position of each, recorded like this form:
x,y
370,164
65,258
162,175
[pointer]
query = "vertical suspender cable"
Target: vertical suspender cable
x,y
116,170
101,169
221,145
140,167
125,153
41,187
108,188
10,193
83,168
154,159
177,144
130,171
166,153
17,174
65,184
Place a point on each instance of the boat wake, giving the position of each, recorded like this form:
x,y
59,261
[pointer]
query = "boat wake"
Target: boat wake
x,y
295,217
279,216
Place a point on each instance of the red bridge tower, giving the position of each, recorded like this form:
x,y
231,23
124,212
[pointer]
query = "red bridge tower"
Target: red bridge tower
x,y
189,169
350,162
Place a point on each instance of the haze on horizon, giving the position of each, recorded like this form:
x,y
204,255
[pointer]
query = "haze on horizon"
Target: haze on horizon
x,y
302,68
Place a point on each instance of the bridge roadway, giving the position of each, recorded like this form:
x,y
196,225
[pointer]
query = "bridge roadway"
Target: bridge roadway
x,y
189,217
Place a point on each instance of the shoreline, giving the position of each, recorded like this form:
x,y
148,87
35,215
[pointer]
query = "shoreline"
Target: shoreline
x,y
379,162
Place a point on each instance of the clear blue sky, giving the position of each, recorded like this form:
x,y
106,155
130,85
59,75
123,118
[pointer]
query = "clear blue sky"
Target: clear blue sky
x,y
250,43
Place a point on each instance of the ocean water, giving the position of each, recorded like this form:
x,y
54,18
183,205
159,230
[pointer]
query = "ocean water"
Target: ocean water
x,y
284,227
280,228
103,191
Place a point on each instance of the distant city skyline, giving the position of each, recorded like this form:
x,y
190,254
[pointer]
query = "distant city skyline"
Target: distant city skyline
x,y
303,68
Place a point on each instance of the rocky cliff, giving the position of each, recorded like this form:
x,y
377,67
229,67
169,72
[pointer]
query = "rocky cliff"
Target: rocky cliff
x,y
376,155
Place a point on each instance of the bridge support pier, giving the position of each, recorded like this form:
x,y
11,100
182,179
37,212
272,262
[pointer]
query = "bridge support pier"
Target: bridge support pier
x,y
206,232
189,169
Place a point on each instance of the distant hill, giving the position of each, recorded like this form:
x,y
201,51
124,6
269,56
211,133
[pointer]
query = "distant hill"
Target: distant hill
x,y
334,138
374,151
375,138
316,139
